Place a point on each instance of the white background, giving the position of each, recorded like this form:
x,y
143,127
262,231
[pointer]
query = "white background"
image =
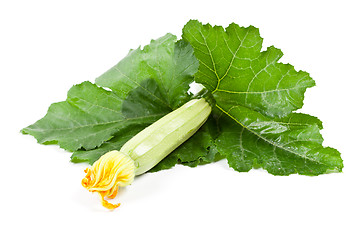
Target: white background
x,y
47,46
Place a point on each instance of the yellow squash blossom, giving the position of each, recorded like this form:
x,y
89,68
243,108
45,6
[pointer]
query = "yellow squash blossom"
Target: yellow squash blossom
x,y
113,170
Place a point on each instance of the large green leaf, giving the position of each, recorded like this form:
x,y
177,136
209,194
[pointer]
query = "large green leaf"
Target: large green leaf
x,y
92,115
281,146
235,70
258,94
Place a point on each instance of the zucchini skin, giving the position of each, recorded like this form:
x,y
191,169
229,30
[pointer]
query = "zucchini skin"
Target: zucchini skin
x,y
154,143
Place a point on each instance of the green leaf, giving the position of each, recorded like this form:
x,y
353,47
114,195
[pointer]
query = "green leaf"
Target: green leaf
x,y
92,115
256,96
289,145
233,67
89,116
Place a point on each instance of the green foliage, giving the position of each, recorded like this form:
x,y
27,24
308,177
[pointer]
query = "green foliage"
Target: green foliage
x,y
253,95
257,95
92,115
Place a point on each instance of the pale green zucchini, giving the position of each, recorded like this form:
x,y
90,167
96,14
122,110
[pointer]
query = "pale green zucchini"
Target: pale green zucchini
x,y
146,149
155,142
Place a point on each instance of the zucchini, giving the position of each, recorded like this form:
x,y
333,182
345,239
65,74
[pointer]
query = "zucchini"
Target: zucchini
x,y
146,149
